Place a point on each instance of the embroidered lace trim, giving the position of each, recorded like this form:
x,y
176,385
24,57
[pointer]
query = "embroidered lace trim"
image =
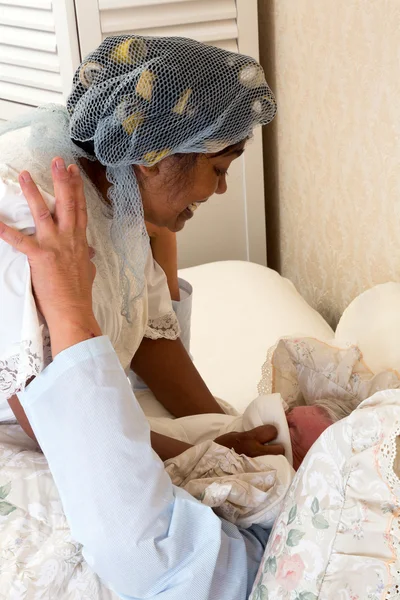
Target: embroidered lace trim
x,y
16,370
166,327
388,458
265,385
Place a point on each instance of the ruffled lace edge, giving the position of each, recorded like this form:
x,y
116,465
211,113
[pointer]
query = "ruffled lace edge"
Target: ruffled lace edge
x,y
164,327
17,369
387,458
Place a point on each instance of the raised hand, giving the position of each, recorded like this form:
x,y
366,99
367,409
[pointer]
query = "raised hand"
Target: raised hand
x,y
59,257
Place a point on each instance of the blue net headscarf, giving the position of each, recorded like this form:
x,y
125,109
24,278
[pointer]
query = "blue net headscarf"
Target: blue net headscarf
x,y
137,100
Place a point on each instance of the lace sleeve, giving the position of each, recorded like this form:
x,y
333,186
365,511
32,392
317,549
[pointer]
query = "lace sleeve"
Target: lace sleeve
x,y
162,320
166,326
12,380
265,386
17,369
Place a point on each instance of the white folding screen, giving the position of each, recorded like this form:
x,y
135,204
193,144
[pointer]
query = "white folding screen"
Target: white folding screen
x,y
38,53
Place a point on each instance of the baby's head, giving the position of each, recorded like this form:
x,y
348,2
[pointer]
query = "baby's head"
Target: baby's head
x,y
306,424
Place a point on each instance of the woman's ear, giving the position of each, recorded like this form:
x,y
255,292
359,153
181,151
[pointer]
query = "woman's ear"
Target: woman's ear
x,y
145,172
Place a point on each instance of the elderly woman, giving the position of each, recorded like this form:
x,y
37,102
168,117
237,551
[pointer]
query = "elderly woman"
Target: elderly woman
x,y
153,125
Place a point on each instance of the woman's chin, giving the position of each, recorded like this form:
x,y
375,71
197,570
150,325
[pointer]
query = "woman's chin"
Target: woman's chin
x,y
174,224
177,226
181,220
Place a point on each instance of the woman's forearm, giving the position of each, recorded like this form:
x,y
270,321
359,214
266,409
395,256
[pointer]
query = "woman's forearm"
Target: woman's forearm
x,y
165,366
167,447
162,445
21,417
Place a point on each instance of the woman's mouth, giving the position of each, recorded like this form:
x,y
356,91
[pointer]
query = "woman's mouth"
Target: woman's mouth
x,y
189,211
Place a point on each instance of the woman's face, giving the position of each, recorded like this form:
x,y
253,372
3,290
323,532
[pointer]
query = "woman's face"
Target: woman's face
x,y
171,192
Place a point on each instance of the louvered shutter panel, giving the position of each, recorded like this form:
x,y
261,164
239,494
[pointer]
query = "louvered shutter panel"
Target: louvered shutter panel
x,y
209,21
38,53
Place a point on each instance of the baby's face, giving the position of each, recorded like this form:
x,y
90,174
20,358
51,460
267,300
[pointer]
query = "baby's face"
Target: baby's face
x,y
306,424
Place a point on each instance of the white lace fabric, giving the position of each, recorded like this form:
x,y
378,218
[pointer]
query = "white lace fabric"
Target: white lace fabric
x,y
265,386
388,461
12,376
17,369
166,326
162,320
242,490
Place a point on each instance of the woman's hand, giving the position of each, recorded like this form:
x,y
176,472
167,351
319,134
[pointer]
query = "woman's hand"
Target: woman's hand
x,y
59,257
252,443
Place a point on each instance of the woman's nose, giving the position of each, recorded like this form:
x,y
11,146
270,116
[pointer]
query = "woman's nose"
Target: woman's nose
x,y
222,185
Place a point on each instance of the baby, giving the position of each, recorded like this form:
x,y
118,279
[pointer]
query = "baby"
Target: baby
x,y
306,424
298,428
308,385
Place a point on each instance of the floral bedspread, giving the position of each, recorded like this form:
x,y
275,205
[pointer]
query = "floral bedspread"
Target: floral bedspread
x,y
39,559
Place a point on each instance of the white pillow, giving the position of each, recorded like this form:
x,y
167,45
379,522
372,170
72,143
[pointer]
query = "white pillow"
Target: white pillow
x,y
372,322
240,310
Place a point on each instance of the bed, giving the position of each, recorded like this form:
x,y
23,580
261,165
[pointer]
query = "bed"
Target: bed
x,y
243,309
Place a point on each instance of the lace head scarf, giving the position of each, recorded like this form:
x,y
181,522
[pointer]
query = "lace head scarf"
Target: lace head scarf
x,y
137,100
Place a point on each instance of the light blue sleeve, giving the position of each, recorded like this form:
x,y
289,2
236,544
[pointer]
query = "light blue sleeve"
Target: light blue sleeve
x,y
144,537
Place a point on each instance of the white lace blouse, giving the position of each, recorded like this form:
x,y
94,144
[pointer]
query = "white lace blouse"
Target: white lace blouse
x,y
24,342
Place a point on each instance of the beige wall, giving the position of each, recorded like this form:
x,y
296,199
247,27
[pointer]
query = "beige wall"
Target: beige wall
x,y
333,154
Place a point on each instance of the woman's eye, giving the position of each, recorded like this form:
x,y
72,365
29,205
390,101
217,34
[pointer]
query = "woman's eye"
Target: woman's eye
x,y
220,172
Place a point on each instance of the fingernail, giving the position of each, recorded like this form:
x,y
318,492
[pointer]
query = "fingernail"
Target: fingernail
x,y
26,177
92,252
60,164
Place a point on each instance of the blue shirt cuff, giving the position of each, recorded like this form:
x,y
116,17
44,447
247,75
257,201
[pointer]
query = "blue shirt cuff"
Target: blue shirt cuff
x,y
64,361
